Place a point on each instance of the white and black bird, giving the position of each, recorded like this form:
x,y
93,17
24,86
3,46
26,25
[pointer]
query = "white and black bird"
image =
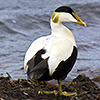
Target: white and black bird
x,y
53,56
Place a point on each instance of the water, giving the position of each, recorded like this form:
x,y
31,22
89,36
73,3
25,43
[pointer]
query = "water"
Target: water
x,y
22,21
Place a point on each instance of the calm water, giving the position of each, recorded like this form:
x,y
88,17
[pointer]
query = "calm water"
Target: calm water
x,y
22,21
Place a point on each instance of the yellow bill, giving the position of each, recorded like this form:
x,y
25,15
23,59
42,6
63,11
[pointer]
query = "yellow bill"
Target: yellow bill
x,y
79,21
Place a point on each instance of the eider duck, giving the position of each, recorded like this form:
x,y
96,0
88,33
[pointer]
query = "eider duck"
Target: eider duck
x,y
53,56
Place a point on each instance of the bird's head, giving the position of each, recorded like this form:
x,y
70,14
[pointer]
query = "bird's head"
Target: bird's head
x,y
66,14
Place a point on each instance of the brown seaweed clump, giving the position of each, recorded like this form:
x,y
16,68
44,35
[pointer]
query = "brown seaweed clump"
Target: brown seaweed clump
x,y
22,89
86,89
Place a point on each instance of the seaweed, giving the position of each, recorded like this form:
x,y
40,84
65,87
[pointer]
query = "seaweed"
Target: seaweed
x,y
22,89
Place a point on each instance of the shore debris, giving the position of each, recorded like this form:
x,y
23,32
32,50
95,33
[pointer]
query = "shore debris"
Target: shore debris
x,y
22,89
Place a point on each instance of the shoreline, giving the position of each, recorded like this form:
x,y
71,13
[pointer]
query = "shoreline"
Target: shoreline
x,y
21,89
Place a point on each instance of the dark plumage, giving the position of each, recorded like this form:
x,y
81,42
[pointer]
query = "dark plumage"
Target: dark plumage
x,y
64,9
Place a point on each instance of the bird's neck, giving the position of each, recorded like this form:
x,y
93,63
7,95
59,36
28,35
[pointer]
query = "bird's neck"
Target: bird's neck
x,y
59,30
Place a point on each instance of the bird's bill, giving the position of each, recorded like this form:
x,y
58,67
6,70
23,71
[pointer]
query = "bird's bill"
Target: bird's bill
x,y
79,21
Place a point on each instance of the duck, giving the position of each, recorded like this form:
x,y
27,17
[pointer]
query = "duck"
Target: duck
x,y
53,56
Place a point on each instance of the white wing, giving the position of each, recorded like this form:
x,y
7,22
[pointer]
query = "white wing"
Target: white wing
x,y
33,49
61,51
